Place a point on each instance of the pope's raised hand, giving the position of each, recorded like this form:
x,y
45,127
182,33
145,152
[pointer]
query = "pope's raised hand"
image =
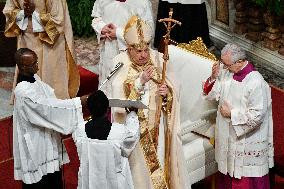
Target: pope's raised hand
x,y
147,74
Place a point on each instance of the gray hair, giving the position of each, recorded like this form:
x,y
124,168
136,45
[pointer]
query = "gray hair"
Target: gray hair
x,y
237,53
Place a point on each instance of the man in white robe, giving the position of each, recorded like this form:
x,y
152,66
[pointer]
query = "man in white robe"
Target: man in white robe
x,y
157,161
104,153
110,18
38,119
44,26
244,130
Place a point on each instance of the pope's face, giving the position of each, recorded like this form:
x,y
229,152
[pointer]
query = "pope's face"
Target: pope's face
x,y
139,56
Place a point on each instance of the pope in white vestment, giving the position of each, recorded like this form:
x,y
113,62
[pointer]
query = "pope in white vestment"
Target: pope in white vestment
x,y
110,18
157,161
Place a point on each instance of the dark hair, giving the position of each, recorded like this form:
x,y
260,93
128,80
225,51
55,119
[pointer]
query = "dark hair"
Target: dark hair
x,y
20,52
98,104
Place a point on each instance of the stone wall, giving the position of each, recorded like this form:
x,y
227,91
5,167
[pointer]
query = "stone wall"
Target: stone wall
x,y
222,33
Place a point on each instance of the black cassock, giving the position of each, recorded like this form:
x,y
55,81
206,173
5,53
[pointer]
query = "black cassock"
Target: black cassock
x,y
98,128
49,181
194,22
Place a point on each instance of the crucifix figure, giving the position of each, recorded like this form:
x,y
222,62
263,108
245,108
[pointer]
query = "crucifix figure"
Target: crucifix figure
x,y
168,24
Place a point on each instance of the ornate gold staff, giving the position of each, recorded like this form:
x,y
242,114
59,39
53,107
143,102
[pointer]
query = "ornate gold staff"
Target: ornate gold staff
x,y
168,24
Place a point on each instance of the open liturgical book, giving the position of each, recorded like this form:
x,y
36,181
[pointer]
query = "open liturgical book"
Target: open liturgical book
x,y
123,103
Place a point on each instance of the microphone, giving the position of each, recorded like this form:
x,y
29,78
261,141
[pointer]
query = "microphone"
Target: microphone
x,y
116,68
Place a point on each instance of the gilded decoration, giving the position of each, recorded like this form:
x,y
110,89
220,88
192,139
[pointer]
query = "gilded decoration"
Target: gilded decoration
x,y
134,20
51,33
198,47
148,132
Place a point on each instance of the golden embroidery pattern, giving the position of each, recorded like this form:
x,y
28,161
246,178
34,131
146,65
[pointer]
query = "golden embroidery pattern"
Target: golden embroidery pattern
x,y
148,132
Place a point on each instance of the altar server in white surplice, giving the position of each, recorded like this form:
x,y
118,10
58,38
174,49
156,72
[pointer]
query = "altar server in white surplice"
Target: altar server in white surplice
x,y
244,128
38,119
104,147
110,18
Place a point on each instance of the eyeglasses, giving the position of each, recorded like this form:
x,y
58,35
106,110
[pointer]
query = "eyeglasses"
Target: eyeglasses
x,y
224,65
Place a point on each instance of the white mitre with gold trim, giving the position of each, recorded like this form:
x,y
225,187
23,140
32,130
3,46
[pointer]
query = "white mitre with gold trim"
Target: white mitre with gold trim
x,y
137,33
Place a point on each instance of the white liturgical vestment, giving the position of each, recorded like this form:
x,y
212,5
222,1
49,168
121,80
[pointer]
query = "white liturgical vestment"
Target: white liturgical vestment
x,y
38,119
244,143
104,163
117,13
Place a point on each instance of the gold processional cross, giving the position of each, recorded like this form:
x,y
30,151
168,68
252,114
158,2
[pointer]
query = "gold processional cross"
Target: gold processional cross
x,y
168,24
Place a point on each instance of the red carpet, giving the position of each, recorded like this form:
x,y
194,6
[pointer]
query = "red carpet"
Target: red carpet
x,y
6,134
7,181
278,117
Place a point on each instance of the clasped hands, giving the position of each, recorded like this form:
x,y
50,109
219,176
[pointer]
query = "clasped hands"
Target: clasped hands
x,y
225,110
147,74
29,8
108,32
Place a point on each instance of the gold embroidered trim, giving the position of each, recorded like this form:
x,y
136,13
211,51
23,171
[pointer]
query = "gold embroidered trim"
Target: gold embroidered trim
x,y
51,33
152,161
167,104
11,28
148,135
132,21
130,90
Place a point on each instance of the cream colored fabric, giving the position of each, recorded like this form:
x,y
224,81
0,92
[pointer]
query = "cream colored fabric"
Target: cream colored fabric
x,y
56,62
244,143
132,34
137,162
118,13
191,70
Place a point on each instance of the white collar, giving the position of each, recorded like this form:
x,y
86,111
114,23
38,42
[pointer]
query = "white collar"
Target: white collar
x,y
37,78
245,65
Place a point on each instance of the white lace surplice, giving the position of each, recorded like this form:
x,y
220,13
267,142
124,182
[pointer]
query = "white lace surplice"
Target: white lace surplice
x,y
244,143
104,163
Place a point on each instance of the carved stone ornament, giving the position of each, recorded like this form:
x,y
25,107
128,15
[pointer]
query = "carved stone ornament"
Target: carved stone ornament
x,y
272,34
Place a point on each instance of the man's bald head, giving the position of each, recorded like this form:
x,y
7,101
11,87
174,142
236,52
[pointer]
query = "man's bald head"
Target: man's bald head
x,y
22,52
26,59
